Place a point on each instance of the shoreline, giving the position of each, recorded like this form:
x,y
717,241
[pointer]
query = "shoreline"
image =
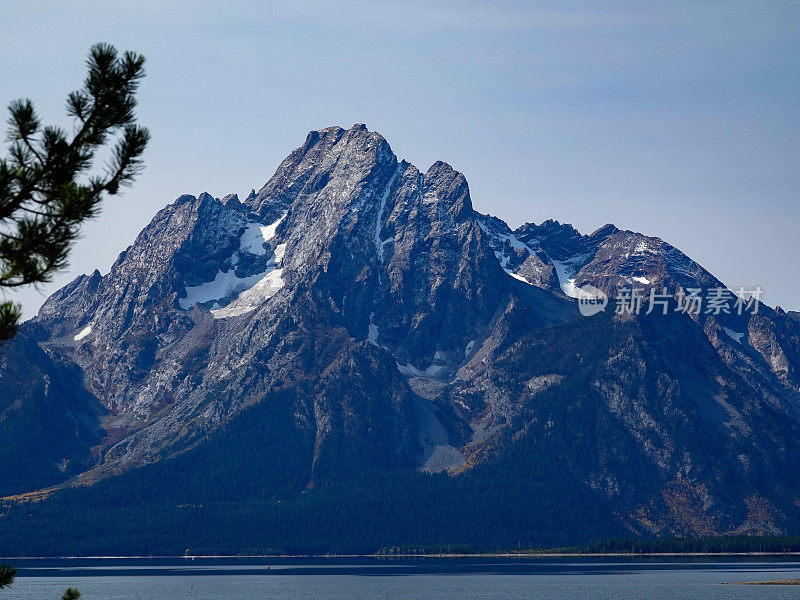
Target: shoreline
x,y
439,555
773,582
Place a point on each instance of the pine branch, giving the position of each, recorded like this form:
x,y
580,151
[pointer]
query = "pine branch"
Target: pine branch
x,y
42,203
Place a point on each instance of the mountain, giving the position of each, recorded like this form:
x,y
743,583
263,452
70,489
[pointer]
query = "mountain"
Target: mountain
x,y
353,357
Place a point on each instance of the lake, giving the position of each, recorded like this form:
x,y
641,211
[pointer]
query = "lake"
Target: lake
x,y
586,578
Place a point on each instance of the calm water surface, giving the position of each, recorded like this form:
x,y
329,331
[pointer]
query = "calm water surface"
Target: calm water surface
x,y
422,579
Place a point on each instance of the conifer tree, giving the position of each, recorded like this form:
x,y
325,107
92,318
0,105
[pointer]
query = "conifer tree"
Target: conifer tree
x,y
6,576
46,190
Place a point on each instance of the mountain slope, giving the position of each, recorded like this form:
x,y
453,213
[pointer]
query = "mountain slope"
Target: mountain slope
x,y
357,323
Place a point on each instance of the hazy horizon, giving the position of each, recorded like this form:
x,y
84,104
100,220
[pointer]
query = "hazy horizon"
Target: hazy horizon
x,y
677,121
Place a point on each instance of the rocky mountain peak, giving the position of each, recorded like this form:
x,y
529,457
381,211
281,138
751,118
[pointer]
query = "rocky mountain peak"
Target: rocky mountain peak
x,y
604,231
349,156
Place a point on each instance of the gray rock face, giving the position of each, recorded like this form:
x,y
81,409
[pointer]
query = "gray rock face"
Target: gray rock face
x,y
412,332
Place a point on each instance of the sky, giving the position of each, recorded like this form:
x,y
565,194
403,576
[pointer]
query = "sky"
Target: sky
x,y
677,119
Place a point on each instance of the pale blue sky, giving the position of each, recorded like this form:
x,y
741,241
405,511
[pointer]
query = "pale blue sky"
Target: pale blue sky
x,y
675,119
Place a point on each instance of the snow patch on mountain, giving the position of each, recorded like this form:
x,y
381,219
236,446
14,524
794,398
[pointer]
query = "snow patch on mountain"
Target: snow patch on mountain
x,y
379,220
253,297
225,283
566,271
410,370
268,231
515,276
252,239
432,372
256,234
736,336
83,333
503,238
646,247
499,243
252,290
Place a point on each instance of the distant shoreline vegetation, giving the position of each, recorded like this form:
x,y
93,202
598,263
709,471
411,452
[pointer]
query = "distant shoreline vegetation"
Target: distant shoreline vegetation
x,y
665,547
734,544
721,545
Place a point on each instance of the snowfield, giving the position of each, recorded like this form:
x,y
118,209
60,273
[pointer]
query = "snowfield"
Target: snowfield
x,y
250,291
